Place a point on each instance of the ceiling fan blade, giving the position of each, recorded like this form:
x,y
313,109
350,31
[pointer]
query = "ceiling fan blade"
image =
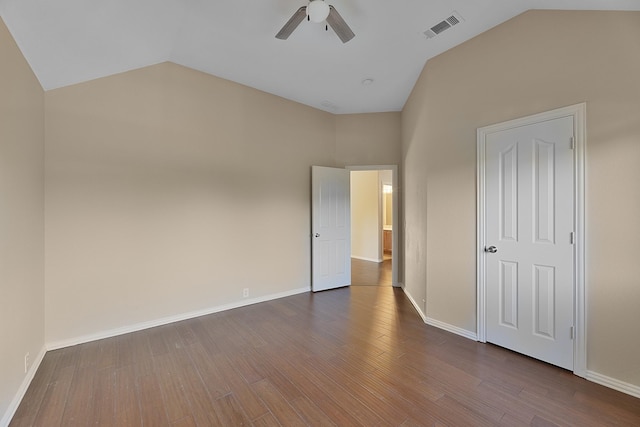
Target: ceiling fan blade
x,y
292,23
339,26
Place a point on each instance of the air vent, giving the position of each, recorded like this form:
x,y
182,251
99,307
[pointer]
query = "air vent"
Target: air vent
x,y
438,28
445,24
452,20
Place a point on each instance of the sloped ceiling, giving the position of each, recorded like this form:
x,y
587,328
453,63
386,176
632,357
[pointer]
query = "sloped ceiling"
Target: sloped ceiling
x,y
71,41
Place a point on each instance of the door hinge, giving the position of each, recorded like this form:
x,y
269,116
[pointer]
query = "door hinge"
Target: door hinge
x,y
572,143
571,332
572,238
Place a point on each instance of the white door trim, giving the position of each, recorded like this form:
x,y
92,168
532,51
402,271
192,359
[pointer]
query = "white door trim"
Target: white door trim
x,y
578,112
394,211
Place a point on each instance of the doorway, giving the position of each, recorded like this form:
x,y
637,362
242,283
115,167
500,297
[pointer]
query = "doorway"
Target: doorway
x,y
372,226
531,236
331,226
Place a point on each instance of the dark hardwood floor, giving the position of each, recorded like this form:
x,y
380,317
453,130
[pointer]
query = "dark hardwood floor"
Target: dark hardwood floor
x,y
357,356
369,273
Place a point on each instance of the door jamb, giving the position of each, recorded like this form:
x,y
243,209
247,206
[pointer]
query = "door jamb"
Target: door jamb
x,y
394,212
578,112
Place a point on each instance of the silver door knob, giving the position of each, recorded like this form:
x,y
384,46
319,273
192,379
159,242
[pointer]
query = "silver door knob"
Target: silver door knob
x,y
317,234
491,249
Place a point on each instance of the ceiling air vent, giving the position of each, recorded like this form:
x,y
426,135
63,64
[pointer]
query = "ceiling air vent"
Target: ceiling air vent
x,y
445,24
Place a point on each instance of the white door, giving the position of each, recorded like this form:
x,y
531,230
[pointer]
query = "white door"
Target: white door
x,y
331,228
529,240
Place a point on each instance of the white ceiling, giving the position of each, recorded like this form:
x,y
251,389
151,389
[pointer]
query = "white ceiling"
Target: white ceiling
x,y
71,41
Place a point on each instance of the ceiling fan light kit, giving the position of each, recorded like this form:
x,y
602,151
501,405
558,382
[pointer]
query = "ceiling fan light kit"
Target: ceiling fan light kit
x,y
317,11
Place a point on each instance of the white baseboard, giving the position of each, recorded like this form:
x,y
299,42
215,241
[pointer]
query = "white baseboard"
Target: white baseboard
x,y
453,329
613,383
595,377
367,259
170,319
621,386
415,304
13,406
438,324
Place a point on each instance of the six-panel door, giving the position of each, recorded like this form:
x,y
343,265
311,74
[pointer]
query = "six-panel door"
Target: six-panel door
x,y
529,219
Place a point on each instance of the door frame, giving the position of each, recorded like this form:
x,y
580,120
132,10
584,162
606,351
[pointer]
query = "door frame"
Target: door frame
x,y
578,112
394,213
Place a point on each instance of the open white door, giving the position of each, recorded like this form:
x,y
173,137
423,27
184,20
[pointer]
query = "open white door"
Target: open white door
x,y
331,228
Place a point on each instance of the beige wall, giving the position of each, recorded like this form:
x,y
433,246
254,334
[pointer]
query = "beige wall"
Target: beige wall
x,y
413,202
366,216
535,62
21,218
368,139
373,139
169,191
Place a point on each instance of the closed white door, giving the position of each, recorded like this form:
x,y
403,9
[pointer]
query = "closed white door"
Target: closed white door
x,y
529,240
331,228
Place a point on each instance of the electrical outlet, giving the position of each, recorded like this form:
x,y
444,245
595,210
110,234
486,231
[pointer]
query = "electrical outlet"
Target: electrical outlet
x,y
26,362
245,292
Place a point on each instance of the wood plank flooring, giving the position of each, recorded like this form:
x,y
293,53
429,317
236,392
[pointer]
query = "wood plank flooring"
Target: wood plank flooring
x,y
369,273
356,356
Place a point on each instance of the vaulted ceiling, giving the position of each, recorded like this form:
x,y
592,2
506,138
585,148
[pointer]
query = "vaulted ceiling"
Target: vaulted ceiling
x,y
71,41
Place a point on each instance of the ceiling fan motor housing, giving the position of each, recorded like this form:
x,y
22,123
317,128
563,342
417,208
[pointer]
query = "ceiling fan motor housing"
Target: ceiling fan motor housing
x,y
317,10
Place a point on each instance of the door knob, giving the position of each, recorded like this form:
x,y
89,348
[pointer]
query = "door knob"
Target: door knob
x,y
317,234
491,249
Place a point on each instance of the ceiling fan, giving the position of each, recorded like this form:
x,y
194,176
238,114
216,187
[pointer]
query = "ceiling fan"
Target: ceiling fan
x,y
317,11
